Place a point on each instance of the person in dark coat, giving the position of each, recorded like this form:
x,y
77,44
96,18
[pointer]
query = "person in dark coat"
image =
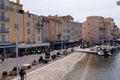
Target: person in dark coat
x,y
22,74
2,59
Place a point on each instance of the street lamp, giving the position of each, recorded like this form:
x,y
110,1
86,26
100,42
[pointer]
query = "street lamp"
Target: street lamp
x,y
16,27
59,35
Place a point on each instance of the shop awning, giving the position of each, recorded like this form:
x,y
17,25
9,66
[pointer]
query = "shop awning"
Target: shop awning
x,y
32,45
7,46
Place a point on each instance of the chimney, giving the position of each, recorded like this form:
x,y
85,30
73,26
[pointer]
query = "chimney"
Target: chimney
x,y
18,1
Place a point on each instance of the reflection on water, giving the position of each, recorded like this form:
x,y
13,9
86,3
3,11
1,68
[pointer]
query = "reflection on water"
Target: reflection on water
x,y
99,68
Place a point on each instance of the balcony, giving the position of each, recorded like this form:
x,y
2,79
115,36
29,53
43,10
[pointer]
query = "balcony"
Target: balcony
x,y
4,7
4,18
4,43
102,28
4,30
102,37
38,25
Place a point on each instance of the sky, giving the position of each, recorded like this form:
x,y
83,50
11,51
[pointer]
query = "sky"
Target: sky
x,y
79,9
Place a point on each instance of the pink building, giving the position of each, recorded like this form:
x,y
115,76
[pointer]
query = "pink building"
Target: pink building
x,y
93,29
98,29
50,28
53,27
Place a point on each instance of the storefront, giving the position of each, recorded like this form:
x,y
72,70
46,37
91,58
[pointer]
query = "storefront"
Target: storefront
x,y
7,50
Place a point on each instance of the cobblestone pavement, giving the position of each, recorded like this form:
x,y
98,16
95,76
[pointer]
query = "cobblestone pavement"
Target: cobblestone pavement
x,y
9,63
55,70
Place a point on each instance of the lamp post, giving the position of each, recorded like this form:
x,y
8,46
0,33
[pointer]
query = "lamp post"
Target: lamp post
x,y
16,27
17,61
59,33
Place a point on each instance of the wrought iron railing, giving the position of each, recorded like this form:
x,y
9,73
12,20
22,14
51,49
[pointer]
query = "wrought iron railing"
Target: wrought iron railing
x,y
4,30
4,18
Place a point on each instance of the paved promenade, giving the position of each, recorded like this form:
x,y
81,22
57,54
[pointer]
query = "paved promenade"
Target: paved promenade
x,y
55,70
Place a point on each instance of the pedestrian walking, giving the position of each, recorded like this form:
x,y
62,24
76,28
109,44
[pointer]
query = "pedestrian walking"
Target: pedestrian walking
x,y
2,59
22,74
0,56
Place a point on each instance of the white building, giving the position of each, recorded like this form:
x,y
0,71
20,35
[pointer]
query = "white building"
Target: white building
x,y
71,31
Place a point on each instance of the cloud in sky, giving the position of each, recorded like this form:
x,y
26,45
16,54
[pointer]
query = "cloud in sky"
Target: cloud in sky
x,y
79,9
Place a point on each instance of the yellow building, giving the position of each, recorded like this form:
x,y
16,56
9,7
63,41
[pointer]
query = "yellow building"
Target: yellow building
x,y
29,28
4,22
8,18
13,21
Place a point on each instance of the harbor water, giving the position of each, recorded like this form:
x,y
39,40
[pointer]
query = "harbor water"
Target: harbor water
x,y
94,67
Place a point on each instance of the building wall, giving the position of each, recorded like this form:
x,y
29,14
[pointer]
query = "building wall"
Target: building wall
x,y
53,29
13,4
65,30
99,29
62,30
78,31
29,28
38,29
119,34
71,31
45,29
4,21
90,28
111,28
12,22
12,31
102,31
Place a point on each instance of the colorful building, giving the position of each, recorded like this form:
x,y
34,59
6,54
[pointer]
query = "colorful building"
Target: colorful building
x,y
4,22
71,30
12,21
11,15
98,29
29,29
111,29
33,30
53,25
45,29
38,29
